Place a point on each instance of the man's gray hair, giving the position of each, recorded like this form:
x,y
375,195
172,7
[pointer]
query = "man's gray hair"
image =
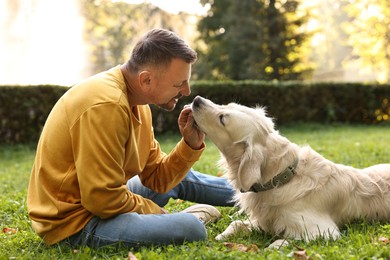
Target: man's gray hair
x,y
157,48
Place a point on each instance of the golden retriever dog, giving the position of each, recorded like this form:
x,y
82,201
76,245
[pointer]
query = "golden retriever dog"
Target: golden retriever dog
x,y
287,189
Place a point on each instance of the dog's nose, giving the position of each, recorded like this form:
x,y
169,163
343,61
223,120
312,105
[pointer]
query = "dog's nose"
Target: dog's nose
x,y
197,101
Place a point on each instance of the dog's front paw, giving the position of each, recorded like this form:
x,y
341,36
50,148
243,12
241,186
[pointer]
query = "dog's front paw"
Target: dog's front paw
x,y
278,244
220,237
234,227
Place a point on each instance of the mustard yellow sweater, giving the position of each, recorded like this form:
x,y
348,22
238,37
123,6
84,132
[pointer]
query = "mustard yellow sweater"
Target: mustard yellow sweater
x,y
91,144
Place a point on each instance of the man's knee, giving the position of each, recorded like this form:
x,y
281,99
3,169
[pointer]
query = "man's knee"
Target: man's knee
x,y
190,229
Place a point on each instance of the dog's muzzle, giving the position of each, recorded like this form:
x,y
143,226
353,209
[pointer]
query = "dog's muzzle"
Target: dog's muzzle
x,y
197,102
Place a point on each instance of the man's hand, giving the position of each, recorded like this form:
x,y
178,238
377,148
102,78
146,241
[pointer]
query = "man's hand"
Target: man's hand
x,y
191,134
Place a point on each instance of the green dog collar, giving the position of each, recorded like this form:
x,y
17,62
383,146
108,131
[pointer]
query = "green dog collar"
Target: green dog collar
x,y
277,181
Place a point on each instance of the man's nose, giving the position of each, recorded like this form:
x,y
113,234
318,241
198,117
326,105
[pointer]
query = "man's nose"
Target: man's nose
x,y
186,90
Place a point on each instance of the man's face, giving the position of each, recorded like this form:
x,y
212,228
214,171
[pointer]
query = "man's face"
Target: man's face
x,y
172,84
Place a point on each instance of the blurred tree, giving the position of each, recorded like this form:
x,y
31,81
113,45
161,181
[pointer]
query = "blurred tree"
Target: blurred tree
x,y
113,27
330,48
108,31
369,34
249,39
232,34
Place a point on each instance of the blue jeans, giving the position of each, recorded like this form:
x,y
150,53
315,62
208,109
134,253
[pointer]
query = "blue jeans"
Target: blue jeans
x,y
134,230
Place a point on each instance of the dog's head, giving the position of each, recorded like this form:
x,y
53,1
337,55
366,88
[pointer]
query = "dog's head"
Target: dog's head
x,y
239,132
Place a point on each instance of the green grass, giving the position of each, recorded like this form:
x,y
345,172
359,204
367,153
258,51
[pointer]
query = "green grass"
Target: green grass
x,y
359,146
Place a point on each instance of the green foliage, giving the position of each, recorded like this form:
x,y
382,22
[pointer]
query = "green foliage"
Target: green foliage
x,y
252,40
356,145
108,30
369,34
291,102
113,27
24,110
233,37
285,40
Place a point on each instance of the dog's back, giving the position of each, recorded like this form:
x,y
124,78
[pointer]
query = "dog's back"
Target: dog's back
x,y
374,191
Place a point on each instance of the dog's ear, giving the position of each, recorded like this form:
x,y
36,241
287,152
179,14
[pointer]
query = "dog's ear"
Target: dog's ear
x,y
249,171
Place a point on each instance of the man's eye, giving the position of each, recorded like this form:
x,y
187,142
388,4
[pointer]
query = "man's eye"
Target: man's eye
x,y
221,120
179,85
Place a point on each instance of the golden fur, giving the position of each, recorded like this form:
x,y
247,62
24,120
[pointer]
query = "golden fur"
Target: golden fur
x,y
320,198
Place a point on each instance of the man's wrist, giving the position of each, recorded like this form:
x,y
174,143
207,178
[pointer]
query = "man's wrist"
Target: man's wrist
x,y
197,146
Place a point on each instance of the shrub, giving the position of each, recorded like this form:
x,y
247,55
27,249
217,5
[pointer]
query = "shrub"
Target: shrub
x,y
24,109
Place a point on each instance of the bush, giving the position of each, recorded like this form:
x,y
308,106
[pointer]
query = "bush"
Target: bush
x,y
24,109
290,102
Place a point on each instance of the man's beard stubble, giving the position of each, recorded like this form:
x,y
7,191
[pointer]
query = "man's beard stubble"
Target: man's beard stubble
x,y
170,106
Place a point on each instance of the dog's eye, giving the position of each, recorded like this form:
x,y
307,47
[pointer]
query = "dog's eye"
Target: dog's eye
x,y
221,120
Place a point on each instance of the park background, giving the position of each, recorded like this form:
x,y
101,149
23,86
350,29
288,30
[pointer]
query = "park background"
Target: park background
x,y
312,61
63,41
321,68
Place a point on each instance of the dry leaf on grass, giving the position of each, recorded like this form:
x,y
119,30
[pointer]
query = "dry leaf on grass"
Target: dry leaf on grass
x,y
384,240
241,247
301,255
131,256
10,231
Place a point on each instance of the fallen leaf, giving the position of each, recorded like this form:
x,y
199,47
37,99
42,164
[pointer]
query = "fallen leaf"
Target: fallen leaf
x,y
229,244
253,248
131,256
384,240
301,255
242,247
10,231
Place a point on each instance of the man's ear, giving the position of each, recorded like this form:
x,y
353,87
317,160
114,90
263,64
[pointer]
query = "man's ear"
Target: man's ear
x,y
249,171
145,78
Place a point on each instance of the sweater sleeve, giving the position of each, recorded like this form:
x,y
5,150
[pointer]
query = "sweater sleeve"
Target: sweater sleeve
x,y
163,172
99,138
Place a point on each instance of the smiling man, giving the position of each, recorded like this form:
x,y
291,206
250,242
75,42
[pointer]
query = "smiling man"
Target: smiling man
x,y
99,176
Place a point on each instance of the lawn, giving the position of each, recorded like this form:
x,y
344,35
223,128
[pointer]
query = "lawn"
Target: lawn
x,y
359,146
